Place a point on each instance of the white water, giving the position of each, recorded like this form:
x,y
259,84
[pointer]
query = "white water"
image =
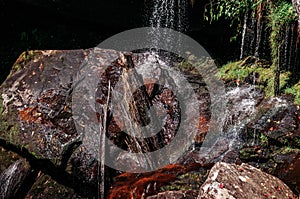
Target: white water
x,y
286,45
8,177
258,38
241,103
169,14
244,34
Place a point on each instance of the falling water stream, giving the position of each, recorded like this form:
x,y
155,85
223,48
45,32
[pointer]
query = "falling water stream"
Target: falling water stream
x,y
169,14
244,34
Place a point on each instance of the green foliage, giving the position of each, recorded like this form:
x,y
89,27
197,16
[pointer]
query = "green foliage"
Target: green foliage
x,y
264,140
188,181
280,15
229,9
288,150
295,91
240,71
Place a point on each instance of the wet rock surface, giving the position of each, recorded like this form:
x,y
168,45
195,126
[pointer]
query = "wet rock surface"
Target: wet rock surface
x,y
38,120
242,181
36,98
271,140
39,123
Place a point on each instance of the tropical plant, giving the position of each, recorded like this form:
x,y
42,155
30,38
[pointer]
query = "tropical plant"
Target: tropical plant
x,y
280,14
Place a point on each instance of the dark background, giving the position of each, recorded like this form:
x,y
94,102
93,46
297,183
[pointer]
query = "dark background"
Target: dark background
x,y
75,24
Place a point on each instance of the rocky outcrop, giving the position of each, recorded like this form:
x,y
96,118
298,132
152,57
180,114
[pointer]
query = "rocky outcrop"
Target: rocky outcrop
x,y
242,181
46,90
43,106
271,140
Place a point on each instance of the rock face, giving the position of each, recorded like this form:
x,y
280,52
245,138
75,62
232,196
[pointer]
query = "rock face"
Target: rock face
x,y
37,111
36,98
51,111
242,181
271,140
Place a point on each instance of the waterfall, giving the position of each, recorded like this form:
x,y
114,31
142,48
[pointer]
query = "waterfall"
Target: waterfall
x,y
244,34
169,14
258,38
252,37
291,46
286,45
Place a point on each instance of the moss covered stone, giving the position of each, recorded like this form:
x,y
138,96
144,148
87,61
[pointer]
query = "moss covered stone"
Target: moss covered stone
x,y
260,73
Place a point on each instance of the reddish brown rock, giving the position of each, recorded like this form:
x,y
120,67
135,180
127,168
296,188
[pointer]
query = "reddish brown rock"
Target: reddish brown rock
x,y
288,170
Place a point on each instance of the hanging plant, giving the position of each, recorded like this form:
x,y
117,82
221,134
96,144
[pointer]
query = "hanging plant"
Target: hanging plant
x,y
229,9
281,14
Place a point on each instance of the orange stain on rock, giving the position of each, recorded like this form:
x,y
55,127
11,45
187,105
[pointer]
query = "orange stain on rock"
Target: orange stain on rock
x,y
132,185
30,115
149,84
203,127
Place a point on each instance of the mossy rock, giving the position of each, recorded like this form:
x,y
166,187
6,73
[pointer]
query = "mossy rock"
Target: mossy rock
x,y
243,71
188,181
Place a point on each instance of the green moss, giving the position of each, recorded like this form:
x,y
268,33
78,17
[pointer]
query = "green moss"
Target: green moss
x,y
24,58
9,128
288,150
248,153
188,181
295,91
240,71
185,66
280,15
264,140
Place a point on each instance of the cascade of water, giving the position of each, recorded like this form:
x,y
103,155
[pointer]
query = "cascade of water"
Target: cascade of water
x,y
243,42
291,46
286,45
169,14
258,38
252,34
244,34
241,110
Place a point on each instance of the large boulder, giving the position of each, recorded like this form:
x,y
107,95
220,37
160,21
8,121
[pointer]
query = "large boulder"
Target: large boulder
x,y
242,181
48,116
35,103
